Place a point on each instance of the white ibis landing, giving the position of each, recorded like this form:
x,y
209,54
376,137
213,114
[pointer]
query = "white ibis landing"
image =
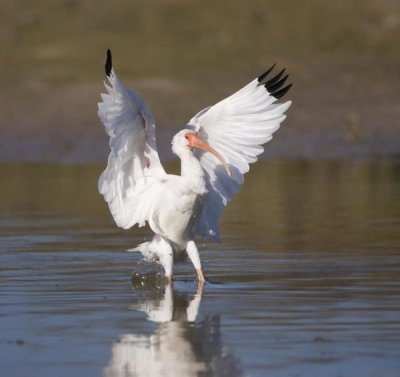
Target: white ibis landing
x,y
215,148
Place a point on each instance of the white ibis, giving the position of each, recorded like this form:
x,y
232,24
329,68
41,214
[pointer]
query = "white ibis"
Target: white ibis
x,y
215,148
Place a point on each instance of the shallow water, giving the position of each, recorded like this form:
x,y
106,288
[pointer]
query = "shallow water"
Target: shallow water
x,y
305,283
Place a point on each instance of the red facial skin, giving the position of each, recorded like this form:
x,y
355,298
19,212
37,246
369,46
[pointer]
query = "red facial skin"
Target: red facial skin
x,y
194,141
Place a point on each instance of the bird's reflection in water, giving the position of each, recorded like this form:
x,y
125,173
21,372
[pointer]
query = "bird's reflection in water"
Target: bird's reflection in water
x,y
180,345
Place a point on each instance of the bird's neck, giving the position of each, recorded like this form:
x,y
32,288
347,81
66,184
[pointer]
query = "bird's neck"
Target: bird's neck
x,y
192,171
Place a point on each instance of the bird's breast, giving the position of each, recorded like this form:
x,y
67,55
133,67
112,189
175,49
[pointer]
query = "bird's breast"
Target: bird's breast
x,y
175,215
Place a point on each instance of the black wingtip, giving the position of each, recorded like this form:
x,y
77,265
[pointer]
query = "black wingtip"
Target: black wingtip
x,y
274,80
265,74
108,65
280,93
274,85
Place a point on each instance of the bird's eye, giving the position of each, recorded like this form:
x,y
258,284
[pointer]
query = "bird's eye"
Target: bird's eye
x,y
186,137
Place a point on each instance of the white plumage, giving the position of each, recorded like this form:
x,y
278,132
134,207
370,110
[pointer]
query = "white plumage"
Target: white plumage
x,y
215,149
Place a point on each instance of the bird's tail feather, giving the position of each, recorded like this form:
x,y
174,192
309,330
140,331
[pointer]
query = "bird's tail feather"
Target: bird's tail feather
x,y
145,249
141,247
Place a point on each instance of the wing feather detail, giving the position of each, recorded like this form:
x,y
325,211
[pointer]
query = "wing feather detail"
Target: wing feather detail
x,y
129,183
237,127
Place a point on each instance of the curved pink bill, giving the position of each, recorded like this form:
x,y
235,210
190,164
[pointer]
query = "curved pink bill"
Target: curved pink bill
x,y
196,142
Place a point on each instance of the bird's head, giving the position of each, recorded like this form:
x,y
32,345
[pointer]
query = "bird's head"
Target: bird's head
x,y
185,140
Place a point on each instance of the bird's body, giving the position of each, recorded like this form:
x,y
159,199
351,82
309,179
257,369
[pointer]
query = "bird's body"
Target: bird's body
x,y
179,208
179,203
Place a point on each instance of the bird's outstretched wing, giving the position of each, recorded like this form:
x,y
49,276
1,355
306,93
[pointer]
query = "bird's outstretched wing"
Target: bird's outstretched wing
x,y
236,127
128,184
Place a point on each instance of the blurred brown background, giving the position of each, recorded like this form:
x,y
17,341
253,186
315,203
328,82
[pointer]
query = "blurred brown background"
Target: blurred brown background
x,y
343,58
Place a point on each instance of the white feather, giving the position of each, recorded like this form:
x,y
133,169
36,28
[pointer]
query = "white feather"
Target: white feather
x,y
129,184
236,127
